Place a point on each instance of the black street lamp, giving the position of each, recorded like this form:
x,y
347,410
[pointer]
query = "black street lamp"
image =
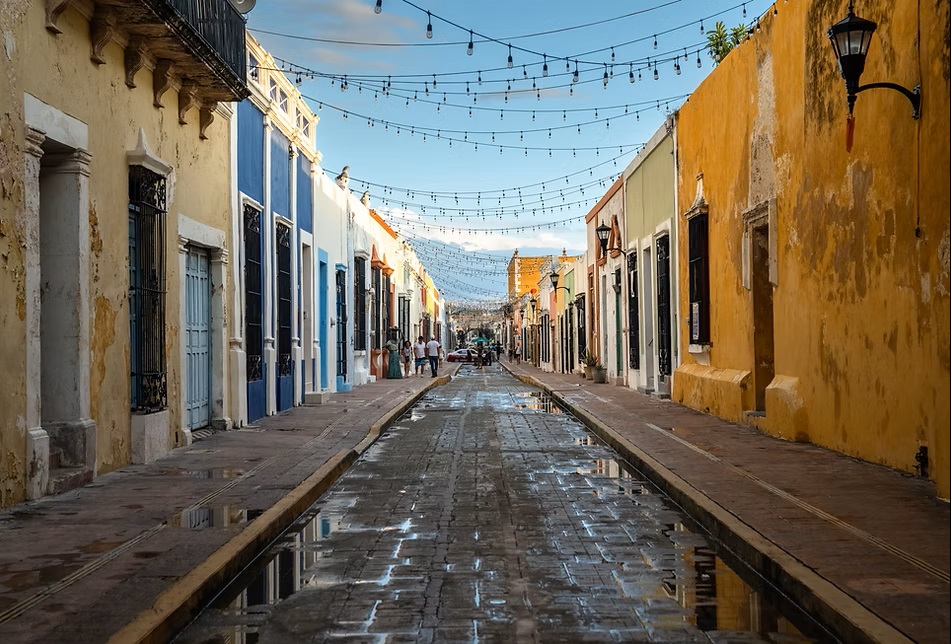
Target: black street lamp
x,y
554,277
603,232
850,39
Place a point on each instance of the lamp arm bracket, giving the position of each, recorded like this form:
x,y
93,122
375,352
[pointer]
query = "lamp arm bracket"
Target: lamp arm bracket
x,y
913,95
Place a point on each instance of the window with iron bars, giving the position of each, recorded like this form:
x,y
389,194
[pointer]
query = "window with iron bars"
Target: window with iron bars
x,y
375,281
284,294
360,304
147,208
699,280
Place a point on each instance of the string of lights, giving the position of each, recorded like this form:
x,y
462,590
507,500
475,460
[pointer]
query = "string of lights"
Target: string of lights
x,y
478,37
430,245
414,224
384,85
414,128
484,193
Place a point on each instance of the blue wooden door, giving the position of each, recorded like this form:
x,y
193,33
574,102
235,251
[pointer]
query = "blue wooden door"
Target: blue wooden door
x,y
197,339
285,365
254,314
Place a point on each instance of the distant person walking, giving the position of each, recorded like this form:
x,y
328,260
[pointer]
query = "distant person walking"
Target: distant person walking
x,y
432,351
419,349
518,353
407,353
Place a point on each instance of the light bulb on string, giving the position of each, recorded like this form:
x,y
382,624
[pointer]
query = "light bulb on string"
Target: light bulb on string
x,y
429,25
509,62
379,6
545,66
479,78
699,62
574,77
744,9
524,72
655,41
630,76
469,48
604,79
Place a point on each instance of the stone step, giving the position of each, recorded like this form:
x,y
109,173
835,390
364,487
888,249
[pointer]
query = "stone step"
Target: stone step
x,y
64,479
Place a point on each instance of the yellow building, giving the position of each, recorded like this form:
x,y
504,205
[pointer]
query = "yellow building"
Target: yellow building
x,y
814,280
523,274
115,187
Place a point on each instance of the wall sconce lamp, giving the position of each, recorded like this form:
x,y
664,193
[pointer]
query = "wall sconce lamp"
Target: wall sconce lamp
x,y
534,303
851,38
603,232
554,277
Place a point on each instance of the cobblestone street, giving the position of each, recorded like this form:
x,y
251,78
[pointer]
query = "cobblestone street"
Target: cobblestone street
x,y
488,514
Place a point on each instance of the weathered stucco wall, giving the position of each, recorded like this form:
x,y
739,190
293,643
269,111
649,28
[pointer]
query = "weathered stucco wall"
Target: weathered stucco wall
x,y
861,308
59,72
12,267
649,192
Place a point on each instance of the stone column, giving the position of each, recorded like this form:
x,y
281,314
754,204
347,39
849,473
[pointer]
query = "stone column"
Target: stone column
x,y
64,327
220,403
37,440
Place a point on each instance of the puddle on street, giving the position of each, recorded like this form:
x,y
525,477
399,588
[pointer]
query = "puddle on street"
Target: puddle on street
x,y
205,517
655,555
538,401
215,473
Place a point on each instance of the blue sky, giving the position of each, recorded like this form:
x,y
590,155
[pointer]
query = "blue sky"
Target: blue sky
x,y
392,126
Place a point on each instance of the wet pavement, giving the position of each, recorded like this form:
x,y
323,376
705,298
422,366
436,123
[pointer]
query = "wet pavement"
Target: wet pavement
x,y
82,566
487,513
864,546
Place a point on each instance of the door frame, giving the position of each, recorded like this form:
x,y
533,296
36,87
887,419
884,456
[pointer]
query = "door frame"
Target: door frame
x,y
194,234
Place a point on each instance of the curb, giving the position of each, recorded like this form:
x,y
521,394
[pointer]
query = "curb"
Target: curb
x,y
177,605
819,597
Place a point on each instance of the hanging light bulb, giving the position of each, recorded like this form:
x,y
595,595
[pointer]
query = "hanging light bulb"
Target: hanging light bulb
x,y
379,6
604,79
429,25
655,41
701,25
434,81
630,74
574,77
479,78
567,66
612,54
699,63
469,48
545,67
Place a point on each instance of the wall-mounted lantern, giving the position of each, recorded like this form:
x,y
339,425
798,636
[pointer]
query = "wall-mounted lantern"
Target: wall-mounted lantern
x,y
851,38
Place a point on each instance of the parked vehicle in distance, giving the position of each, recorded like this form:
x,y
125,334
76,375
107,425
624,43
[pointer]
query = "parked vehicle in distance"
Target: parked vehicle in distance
x,y
461,355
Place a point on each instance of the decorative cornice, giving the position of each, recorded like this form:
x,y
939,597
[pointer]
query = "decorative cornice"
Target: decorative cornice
x,y
102,30
187,99
206,115
54,9
34,142
136,55
144,157
162,79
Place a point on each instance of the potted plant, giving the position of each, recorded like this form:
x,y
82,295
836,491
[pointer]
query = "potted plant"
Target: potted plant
x,y
589,362
599,373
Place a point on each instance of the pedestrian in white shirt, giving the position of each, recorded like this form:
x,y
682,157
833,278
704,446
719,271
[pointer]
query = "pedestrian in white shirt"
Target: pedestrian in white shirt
x,y
432,350
419,350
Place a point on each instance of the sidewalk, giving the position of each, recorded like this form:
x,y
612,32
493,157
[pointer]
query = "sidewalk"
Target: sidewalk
x,y
133,554
862,547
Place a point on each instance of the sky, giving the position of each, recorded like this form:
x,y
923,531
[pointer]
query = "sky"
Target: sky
x,y
469,171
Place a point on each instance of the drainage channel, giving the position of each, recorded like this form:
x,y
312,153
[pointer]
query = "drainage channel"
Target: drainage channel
x,y
691,579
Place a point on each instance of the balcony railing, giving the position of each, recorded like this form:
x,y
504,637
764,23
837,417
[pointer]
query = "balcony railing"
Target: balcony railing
x,y
222,27
214,31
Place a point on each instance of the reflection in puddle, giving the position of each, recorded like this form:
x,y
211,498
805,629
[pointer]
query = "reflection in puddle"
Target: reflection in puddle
x,y
538,401
202,518
216,473
281,572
